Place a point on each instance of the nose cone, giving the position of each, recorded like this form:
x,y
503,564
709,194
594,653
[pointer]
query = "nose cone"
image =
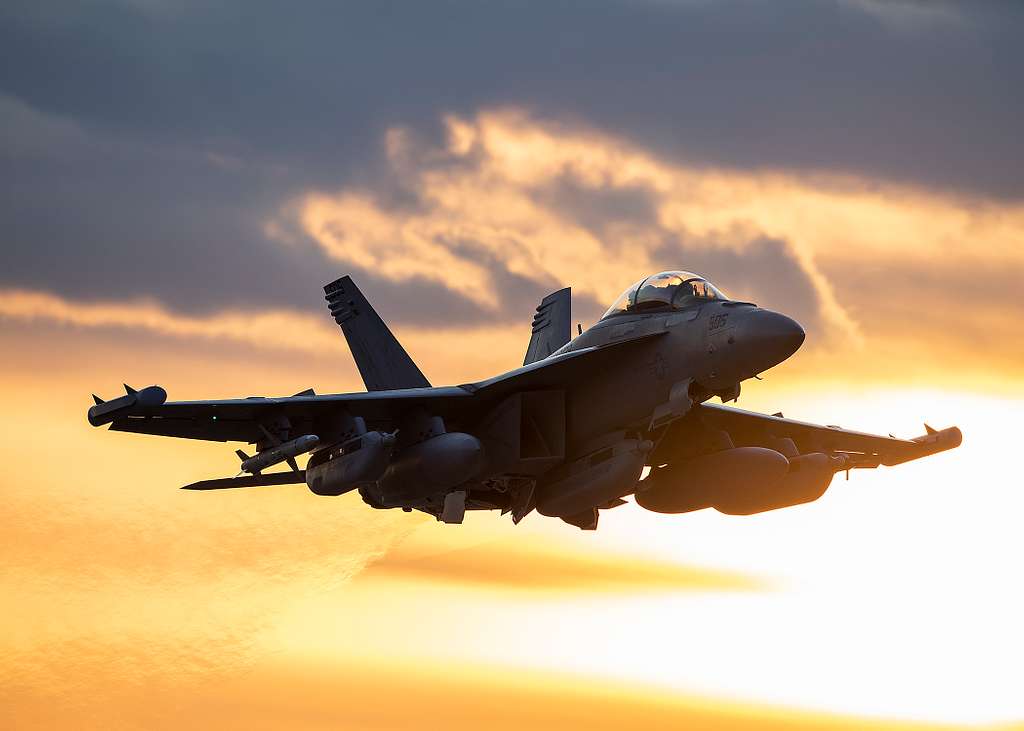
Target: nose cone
x,y
773,337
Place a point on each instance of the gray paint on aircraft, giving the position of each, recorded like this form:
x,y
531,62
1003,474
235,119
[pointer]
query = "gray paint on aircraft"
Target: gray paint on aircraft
x,y
568,433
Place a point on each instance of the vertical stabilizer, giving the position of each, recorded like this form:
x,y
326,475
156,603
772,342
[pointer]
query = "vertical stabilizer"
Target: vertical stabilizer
x,y
382,361
551,326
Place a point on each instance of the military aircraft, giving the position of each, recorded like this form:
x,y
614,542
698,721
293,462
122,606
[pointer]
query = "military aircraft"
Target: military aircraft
x,y
569,434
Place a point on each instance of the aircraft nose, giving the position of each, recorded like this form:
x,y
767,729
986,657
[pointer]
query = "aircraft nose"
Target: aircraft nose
x,y
776,336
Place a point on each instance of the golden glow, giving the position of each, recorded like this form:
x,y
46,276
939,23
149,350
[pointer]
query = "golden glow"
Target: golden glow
x,y
869,603
892,602
512,564
892,597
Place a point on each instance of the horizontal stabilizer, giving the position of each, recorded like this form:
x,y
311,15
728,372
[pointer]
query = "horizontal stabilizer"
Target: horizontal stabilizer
x,y
227,483
382,361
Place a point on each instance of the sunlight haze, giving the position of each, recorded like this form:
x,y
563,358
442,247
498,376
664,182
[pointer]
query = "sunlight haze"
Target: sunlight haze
x,y
181,181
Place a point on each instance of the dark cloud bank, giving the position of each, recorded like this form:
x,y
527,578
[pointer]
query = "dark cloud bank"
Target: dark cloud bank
x,y
144,145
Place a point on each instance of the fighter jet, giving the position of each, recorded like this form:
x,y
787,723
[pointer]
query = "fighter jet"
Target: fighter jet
x,y
623,409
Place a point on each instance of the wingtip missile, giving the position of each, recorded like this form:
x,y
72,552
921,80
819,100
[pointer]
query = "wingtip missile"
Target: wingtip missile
x,y
104,412
935,441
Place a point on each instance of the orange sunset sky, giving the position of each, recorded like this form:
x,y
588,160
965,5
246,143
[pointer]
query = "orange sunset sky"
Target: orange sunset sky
x,y
179,182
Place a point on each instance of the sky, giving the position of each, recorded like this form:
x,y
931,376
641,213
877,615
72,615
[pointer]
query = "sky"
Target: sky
x,y
177,182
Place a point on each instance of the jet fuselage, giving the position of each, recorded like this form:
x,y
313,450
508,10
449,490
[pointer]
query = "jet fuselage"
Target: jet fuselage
x,y
712,348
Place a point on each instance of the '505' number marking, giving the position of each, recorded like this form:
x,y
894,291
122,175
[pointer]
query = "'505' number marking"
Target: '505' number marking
x,y
717,321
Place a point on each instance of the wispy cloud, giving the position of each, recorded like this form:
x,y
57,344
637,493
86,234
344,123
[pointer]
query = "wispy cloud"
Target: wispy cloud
x,y
469,351
493,198
912,15
273,329
531,566
508,206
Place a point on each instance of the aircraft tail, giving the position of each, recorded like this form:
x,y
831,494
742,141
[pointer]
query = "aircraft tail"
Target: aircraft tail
x,y
382,361
551,326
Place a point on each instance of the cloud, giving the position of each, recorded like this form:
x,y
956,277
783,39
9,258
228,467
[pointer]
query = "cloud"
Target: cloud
x,y
509,195
812,84
93,214
964,312
463,236
912,15
469,353
149,146
514,565
269,329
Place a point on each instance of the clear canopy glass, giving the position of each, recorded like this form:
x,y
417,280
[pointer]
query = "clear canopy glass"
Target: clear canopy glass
x,y
665,291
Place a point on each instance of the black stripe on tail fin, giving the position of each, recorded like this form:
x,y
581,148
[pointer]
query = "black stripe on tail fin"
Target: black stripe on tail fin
x,y
382,361
551,326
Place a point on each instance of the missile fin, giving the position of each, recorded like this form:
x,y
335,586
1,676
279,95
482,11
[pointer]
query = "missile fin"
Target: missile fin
x,y
929,429
293,464
97,399
241,455
129,390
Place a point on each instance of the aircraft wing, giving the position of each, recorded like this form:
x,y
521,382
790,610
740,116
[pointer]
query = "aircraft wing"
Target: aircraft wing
x,y
239,420
863,450
146,411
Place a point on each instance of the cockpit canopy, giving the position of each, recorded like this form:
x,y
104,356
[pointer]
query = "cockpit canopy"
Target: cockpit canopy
x,y
665,291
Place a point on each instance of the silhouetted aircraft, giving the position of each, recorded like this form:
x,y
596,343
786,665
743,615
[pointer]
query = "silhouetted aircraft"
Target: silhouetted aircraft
x,y
568,434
